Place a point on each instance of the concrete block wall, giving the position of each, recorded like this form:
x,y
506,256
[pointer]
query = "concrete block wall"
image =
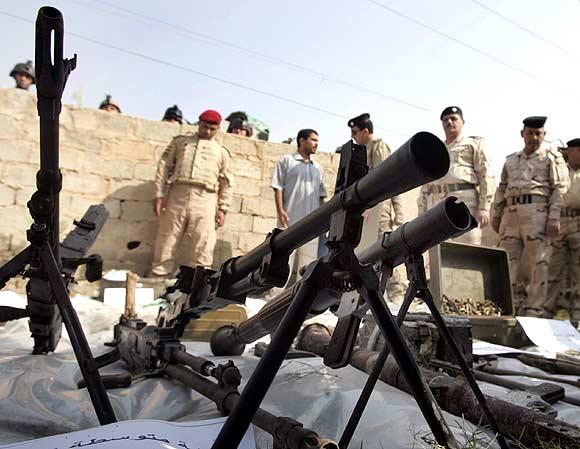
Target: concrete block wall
x,y
111,159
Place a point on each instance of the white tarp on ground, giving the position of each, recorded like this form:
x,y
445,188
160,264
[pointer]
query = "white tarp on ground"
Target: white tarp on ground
x,y
38,394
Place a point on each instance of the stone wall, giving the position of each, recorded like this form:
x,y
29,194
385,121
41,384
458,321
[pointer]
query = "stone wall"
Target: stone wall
x,y
111,158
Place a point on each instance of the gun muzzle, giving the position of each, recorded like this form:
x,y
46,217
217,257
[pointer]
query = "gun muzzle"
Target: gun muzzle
x,y
51,69
423,158
446,220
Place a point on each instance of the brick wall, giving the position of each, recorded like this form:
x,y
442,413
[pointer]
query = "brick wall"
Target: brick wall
x,y
111,158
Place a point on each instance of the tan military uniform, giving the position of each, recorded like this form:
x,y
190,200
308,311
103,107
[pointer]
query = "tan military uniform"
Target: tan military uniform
x,y
564,271
200,183
392,210
530,192
469,179
391,216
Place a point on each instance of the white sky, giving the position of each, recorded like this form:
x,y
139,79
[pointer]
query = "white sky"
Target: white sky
x,y
462,54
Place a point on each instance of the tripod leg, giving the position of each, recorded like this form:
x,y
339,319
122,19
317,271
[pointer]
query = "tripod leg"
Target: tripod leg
x,y
87,364
409,368
374,375
464,367
237,423
14,266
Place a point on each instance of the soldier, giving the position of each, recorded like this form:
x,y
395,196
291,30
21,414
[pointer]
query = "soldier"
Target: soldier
x,y
240,127
110,105
196,170
173,115
23,74
526,213
469,177
565,261
391,213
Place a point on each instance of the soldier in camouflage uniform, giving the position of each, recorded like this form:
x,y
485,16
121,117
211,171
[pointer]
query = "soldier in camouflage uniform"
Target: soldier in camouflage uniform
x,y
196,169
526,213
565,263
391,214
469,178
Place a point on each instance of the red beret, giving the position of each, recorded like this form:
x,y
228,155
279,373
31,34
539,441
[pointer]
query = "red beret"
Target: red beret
x,y
211,116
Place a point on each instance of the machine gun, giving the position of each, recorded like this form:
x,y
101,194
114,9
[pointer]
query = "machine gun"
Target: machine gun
x,y
153,351
45,318
422,159
446,220
50,265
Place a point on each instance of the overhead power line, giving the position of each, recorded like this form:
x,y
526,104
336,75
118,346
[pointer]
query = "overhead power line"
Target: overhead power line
x,y
525,29
454,39
205,38
202,74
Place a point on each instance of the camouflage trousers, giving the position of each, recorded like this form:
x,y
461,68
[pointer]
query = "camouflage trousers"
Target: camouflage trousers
x,y
522,234
397,283
471,200
188,221
564,270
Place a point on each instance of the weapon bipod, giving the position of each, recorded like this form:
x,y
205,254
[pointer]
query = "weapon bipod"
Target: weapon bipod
x,y
418,288
43,265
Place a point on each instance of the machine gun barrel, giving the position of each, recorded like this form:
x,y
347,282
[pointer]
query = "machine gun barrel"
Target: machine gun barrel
x,y
156,351
290,432
446,220
421,159
51,75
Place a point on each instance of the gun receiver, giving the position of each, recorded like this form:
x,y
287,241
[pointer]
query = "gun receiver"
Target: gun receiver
x,y
153,351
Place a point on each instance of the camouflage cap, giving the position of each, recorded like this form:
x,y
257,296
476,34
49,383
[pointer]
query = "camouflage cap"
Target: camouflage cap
x,y
24,67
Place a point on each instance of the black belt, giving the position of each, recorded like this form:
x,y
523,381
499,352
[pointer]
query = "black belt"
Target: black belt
x,y
526,199
453,187
570,212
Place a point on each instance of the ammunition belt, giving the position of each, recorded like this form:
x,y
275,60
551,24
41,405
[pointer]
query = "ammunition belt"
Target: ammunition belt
x,y
445,188
526,199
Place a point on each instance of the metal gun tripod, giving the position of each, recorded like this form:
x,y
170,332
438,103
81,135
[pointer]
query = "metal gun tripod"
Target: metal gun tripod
x,y
41,261
418,288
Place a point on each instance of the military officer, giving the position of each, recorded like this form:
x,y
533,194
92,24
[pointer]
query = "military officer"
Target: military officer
x,y
196,170
565,262
526,213
469,178
391,214
23,74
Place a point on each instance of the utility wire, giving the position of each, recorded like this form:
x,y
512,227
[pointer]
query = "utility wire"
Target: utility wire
x,y
454,39
525,29
202,74
205,38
